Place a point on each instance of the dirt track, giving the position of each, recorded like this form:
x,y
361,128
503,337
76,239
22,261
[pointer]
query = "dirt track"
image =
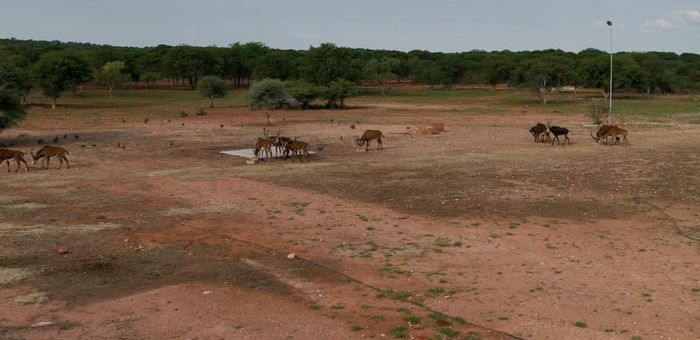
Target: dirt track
x,y
472,230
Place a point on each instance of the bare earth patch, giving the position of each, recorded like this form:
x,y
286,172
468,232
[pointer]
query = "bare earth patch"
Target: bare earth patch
x,y
475,233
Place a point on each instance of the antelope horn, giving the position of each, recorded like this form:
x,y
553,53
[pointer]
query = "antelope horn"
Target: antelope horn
x,y
595,139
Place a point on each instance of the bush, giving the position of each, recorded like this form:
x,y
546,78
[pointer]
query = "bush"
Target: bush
x,y
11,111
182,114
269,94
596,112
200,112
303,92
340,90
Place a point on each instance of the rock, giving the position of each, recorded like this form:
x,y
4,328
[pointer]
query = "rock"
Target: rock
x,y
42,324
291,256
62,250
207,292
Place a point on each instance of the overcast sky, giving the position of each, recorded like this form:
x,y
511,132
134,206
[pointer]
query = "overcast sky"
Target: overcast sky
x,y
435,25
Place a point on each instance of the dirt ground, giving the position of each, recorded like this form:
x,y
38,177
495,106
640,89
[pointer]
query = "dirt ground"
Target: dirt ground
x,y
474,233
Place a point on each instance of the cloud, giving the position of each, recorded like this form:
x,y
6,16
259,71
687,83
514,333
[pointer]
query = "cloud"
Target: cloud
x,y
674,20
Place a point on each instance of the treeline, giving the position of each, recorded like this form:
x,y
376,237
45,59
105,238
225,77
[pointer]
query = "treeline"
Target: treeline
x,y
240,63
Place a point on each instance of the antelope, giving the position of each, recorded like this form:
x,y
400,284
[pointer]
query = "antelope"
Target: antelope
x,y
297,146
557,131
18,156
263,145
368,136
612,131
603,130
537,131
51,151
280,143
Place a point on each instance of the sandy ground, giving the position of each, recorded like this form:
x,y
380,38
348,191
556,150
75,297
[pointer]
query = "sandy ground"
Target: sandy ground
x,y
475,233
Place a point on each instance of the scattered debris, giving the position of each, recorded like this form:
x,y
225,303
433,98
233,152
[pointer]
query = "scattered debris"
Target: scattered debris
x,y
352,126
42,324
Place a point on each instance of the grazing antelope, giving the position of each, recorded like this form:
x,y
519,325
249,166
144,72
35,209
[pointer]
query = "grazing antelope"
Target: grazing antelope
x,y
18,156
537,131
263,144
368,136
297,146
51,151
611,131
558,131
603,130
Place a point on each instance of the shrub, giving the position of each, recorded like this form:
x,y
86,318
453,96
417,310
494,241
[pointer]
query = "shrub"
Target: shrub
x,y
303,92
269,94
596,112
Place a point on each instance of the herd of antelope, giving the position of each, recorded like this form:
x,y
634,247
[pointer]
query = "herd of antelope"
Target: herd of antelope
x,y
47,152
284,146
549,133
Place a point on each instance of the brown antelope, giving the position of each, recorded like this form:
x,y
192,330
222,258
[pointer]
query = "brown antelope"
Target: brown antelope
x,y
8,155
557,131
603,130
51,151
612,131
537,131
368,136
297,146
263,144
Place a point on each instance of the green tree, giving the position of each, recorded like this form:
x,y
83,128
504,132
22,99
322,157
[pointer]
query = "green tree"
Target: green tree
x,y
302,91
150,77
338,91
212,87
545,74
268,94
14,84
379,71
327,63
112,75
496,69
11,111
58,71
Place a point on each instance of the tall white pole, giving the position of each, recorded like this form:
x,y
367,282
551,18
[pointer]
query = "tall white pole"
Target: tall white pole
x,y
610,95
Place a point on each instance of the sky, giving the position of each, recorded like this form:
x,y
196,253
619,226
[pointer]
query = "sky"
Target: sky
x,y
404,25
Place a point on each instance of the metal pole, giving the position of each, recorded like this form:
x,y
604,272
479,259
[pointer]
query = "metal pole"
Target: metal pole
x,y
610,95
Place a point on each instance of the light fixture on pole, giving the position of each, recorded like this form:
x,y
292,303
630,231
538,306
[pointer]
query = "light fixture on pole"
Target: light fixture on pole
x,y
610,94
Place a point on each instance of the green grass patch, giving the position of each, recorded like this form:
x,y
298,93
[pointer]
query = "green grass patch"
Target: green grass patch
x,y
448,331
399,332
436,292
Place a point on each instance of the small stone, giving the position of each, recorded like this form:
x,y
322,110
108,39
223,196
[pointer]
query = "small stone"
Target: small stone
x,y
291,256
62,250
